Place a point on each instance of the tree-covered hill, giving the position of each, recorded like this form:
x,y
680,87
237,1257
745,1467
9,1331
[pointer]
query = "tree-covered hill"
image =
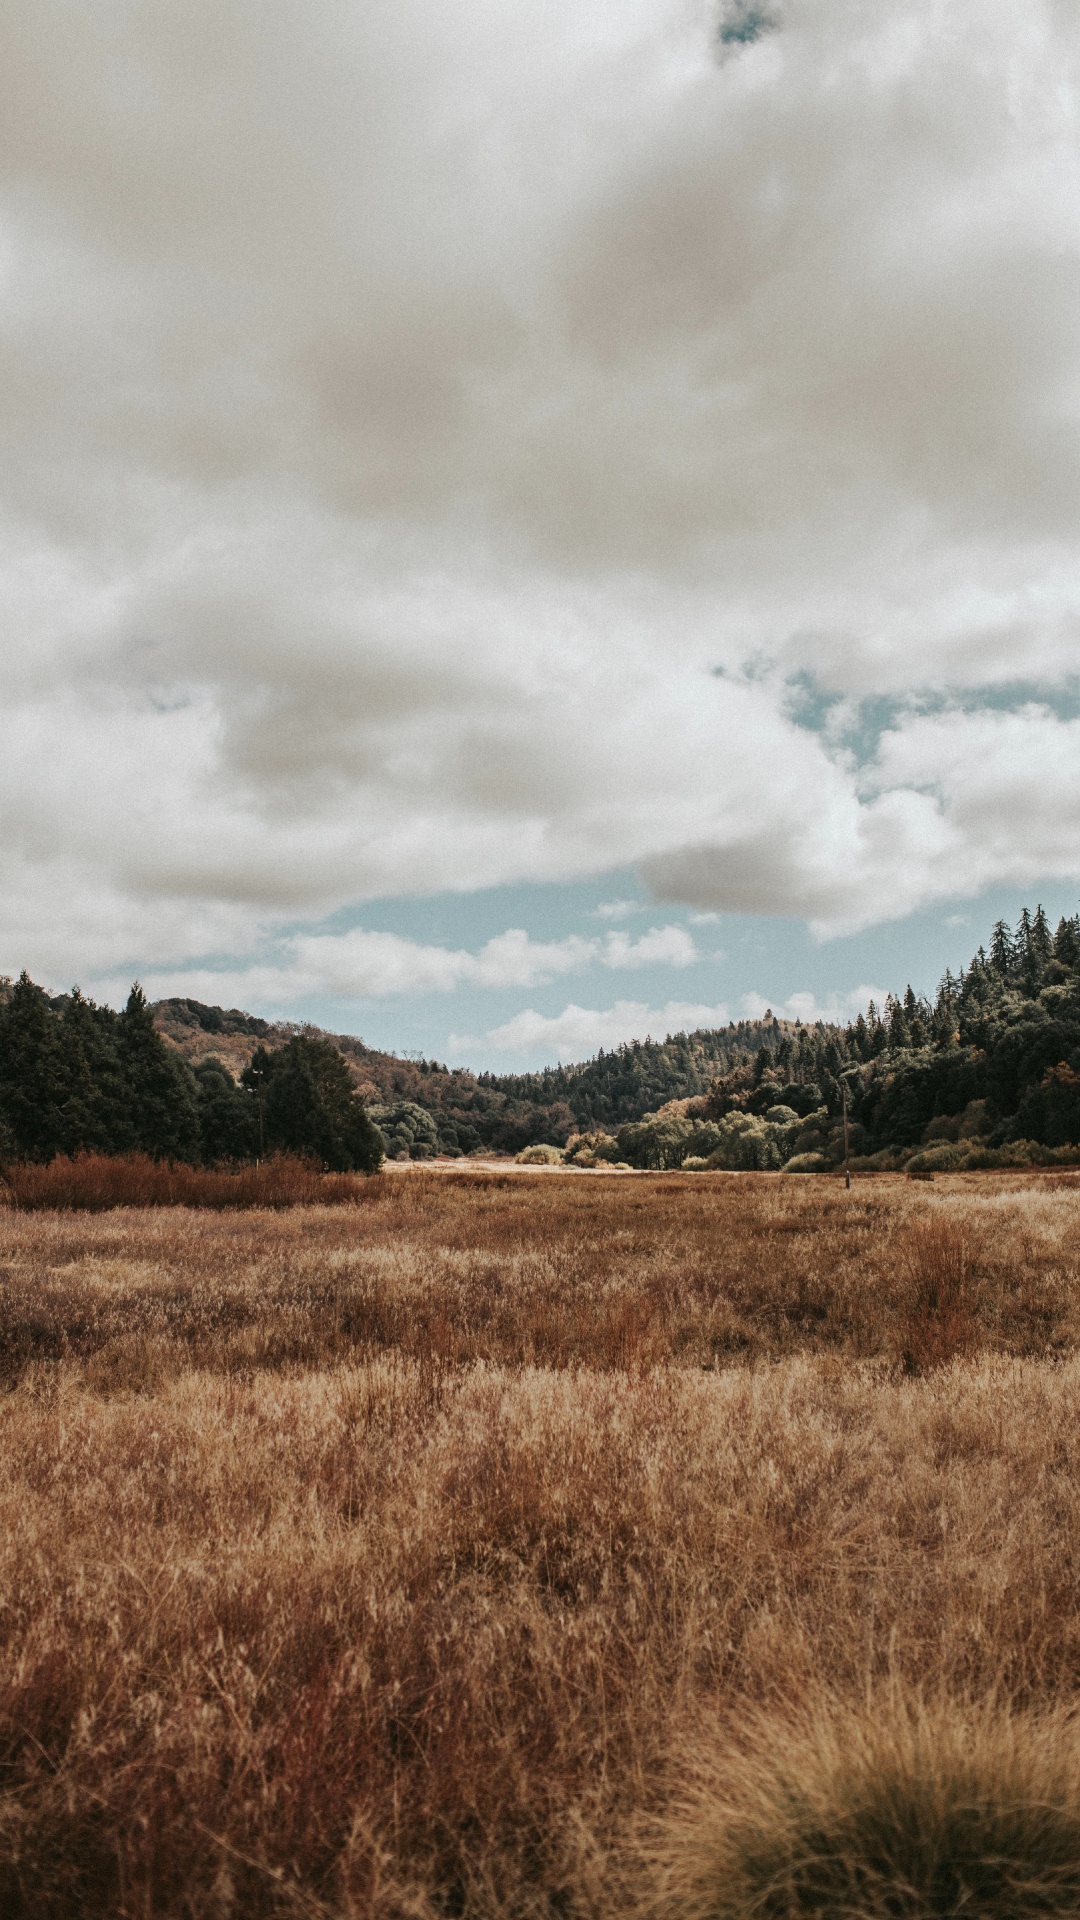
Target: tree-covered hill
x,y
993,1061
487,1112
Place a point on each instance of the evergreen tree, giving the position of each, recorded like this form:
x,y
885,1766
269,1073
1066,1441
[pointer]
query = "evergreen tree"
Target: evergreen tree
x,y
162,1118
1067,942
32,1079
228,1116
1042,943
308,1105
896,1022
95,1102
1001,949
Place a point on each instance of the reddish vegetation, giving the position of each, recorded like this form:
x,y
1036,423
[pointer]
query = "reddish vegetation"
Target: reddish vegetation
x,y
398,1559
98,1182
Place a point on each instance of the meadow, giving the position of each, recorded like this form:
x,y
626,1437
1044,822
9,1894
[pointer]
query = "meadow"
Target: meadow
x,y
509,1545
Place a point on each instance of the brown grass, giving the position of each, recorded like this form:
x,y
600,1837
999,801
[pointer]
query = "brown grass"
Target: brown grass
x,y
98,1183
462,1552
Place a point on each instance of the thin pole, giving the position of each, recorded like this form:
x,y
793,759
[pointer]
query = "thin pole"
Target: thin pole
x,y
847,1151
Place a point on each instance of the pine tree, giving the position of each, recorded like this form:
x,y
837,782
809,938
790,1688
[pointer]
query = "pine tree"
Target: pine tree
x,y
309,1106
94,1102
162,1118
32,1080
1042,944
1001,949
1067,942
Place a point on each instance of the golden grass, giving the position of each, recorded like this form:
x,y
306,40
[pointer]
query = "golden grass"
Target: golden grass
x,y
889,1808
512,1548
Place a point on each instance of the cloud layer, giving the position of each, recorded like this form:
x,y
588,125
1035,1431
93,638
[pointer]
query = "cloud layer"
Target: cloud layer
x,y
579,1032
364,965
434,441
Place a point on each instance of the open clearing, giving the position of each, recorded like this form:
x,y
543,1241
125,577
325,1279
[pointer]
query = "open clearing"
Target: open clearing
x,y
430,1555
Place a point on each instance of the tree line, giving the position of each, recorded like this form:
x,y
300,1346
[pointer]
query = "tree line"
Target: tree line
x,y
992,1061
76,1077
987,1073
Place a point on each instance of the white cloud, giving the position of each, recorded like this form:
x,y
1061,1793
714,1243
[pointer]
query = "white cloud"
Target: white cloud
x,y
364,965
617,909
660,947
579,1032
406,409
838,1008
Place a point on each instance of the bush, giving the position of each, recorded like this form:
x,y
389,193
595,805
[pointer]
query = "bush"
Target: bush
x,y
406,1128
807,1163
589,1149
938,1159
540,1155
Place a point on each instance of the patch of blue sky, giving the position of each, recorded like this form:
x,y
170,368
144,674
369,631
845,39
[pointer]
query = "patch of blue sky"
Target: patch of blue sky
x,y
742,22
744,962
856,726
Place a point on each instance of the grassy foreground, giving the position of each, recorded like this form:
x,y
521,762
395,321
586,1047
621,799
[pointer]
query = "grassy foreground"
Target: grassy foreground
x,y
569,1546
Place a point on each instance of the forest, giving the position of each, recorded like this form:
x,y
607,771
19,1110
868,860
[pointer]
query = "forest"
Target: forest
x,y
988,1073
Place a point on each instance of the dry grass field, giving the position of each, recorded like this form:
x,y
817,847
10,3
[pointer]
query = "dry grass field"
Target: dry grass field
x,y
509,1546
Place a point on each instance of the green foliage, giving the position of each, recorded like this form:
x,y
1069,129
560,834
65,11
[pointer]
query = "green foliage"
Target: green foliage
x,y
406,1128
228,1116
540,1156
994,1060
664,1141
749,1143
77,1078
161,1115
306,1105
33,1081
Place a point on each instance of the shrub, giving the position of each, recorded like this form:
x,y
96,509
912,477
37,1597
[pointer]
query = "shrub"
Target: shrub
x,y
807,1163
406,1128
666,1140
588,1149
540,1155
938,1159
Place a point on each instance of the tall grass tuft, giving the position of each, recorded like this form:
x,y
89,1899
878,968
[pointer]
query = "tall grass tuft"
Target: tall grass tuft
x,y
890,1811
97,1182
938,1321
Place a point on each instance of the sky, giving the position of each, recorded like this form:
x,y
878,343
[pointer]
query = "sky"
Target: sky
x,y
524,526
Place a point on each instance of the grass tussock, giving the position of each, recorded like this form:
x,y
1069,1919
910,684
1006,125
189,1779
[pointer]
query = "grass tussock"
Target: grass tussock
x,y
391,1560
889,1810
99,1182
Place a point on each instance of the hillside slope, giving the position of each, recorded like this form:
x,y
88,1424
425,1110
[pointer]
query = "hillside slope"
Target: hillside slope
x,y
496,1113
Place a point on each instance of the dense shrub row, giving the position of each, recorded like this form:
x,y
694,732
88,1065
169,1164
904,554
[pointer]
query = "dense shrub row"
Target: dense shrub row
x,y
96,1182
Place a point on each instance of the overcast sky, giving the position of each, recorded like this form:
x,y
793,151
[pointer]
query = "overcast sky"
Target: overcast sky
x,y
486,489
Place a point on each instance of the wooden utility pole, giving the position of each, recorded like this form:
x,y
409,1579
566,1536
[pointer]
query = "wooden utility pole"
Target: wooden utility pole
x,y
847,1151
